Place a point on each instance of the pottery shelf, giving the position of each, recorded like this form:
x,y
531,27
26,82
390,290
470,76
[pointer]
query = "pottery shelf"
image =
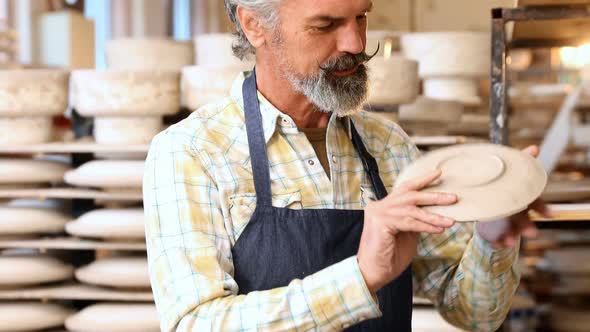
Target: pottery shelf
x,y
422,141
83,146
71,243
70,193
566,212
535,26
76,291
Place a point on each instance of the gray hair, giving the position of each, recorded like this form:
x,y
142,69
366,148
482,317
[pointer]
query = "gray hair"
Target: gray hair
x,y
267,11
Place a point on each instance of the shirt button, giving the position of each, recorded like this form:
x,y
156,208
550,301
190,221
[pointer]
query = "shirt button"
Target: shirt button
x,y
334,159
311,162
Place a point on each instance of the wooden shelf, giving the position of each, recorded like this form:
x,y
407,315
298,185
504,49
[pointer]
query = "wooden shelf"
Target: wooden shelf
x,y
566,212
70,243
70,193
72,147
75,291
444,140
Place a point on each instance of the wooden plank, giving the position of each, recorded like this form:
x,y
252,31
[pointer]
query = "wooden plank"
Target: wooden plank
x,y
75,291
444,140
70,193
523,3
73,147
565,212
71,243
564,29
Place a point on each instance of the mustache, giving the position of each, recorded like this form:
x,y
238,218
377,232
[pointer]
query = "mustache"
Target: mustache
x,y
348,61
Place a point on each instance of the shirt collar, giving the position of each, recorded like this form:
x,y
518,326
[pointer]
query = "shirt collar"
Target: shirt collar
x,y
271,116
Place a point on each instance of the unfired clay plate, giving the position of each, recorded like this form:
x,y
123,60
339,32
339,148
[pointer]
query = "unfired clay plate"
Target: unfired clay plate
x,y
491,181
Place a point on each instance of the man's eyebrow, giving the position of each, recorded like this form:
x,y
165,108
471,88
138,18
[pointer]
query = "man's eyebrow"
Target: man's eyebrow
x,y
329,18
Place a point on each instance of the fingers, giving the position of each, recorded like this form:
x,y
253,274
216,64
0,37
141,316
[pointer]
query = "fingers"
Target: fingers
x,y
542,208
424,217
409,224
532,150
424,198
420,183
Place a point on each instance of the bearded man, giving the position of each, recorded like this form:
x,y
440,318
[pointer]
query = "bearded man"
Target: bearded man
x,y
274,209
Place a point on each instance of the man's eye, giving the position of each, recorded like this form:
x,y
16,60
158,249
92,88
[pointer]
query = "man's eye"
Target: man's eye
x,y
326,27
362,17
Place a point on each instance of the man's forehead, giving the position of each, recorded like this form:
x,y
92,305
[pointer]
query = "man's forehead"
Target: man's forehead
x,y
314,9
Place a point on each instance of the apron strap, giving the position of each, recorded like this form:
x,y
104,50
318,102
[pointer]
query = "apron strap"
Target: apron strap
x,y
369,163
256,142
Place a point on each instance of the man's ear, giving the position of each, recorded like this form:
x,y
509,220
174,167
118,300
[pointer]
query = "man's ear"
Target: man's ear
x,y
251,26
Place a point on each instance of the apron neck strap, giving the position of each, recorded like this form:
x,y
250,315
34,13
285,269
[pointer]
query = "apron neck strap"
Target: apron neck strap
x,y
256,141
259,155
369,163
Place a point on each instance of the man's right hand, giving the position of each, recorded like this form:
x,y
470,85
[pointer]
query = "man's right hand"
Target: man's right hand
x,y
392,228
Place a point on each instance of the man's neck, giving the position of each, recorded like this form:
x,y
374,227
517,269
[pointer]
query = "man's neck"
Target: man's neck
x,y
279,92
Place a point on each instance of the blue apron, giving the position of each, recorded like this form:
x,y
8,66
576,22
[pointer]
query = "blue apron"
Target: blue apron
x,y
279,245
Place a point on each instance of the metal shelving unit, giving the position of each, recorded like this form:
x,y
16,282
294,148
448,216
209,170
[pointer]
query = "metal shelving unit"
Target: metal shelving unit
x,y
502,42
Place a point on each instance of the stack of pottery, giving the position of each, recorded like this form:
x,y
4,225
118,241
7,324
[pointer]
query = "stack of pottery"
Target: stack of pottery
x,y
215,71
571,266
140,86
27,173
24,269
129,273
108,175
30,219
393,80
451,63
110,225
32,316
29,268
148,54
115,317
127,105
427,116
386,41
29,99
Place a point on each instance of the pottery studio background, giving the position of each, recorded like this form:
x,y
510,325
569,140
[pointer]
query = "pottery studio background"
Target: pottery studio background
x,y
85,85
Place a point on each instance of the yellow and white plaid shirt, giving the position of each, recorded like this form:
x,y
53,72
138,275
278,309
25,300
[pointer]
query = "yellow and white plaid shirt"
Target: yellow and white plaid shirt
x,y
199,196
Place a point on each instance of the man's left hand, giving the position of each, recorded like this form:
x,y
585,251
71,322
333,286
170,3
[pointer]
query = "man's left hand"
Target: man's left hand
x,y
505,233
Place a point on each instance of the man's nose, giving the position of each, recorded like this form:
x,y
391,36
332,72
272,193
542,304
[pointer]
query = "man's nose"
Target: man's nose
x,y
351,39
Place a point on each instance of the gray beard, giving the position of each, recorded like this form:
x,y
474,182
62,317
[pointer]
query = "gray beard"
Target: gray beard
x,y
342,96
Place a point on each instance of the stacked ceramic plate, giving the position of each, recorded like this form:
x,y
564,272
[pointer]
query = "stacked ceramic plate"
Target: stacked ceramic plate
x,y
451,63
115,317
32,316
29,268
30,220
116,272
393,80
127,105
110,225
20,173
109,175
571,266
427,116
217,68
148,54
29,99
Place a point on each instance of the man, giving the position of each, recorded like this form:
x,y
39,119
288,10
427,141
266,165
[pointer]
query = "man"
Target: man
x,y
274,209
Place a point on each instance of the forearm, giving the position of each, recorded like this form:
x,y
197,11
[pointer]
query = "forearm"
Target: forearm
x,y
329,300
480,292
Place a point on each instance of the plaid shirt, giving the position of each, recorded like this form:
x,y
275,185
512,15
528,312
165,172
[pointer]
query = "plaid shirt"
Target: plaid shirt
x,y
199,196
